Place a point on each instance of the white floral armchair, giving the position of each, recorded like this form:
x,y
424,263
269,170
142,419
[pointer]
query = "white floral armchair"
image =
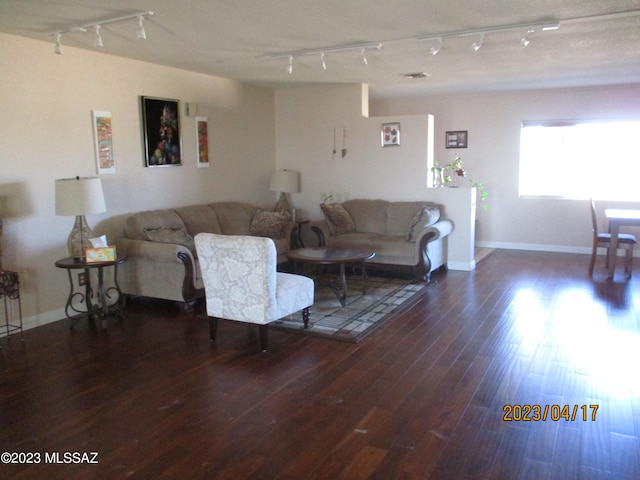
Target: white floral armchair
x,y
241,282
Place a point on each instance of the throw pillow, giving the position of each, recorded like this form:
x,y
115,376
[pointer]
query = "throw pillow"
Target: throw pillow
x,y
269,224
171,235
338,219
425,217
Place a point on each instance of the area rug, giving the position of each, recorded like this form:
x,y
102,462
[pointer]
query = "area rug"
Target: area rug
x,y
361,314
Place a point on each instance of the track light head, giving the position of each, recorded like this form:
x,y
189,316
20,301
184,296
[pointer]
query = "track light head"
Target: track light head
x,y
363,57
475,46
98,41
322,61
142,35
290,66
58,49
436,48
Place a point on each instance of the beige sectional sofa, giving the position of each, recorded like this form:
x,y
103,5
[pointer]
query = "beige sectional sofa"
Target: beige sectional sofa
x,y
162,261
403,235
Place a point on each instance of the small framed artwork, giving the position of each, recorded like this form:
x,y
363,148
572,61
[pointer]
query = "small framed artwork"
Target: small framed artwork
x,y
161,131
202,141
456,139
103,141
390,134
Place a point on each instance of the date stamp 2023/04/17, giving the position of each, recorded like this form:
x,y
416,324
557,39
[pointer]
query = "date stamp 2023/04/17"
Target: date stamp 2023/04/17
x,y
537,413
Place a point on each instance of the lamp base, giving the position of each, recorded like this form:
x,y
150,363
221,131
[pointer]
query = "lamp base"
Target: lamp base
x,y
79,238
283,204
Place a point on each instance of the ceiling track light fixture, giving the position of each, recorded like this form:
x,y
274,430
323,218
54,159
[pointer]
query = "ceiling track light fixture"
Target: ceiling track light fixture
x,y
530,28
96,26
436,47
98,42
58,49
362,47
526,40
363,57
477,45
141,34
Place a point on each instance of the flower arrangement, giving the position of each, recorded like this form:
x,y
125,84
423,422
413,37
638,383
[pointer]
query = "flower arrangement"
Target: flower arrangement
x,y
449,173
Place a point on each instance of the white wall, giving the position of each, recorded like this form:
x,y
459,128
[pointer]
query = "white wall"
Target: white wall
x,y
305,121
493,122
46,128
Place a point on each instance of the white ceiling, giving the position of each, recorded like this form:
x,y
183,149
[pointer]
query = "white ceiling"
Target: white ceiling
x,y
234,38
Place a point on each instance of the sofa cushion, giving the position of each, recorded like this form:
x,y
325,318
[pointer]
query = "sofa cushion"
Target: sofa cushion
x,y
198,219
338,218
269,224
425,217
368,215
137,224
234,217
177,236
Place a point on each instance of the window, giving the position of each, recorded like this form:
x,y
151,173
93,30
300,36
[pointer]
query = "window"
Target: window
x,y
580,159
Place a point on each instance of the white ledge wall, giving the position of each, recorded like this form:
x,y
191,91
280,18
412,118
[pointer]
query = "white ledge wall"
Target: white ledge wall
x,y
305,121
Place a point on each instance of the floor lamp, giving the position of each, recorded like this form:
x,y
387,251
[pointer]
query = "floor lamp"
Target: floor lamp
x,y
78,197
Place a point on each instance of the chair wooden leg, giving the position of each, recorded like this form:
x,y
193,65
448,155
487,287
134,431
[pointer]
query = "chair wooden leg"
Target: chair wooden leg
x,y
305,316
263,331
213,328
593,260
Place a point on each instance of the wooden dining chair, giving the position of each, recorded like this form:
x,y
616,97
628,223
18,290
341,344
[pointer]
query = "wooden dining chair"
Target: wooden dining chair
x,y
603,240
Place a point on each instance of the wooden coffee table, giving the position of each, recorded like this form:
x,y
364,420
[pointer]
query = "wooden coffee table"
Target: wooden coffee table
x,y
334,256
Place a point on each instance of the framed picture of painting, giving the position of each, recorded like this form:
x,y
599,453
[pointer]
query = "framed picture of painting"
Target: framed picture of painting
x,y
202,141
161,132
103,141
457,139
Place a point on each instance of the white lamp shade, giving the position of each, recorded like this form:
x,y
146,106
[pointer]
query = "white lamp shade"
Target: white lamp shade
x,y
285,181
79,196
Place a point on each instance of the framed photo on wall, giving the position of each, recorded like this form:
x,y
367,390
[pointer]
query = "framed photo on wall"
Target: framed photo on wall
x,y
161,131
202,141
390,134
103,141
457,139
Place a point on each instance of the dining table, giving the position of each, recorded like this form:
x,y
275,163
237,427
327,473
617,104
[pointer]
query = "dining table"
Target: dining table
x,y
619,217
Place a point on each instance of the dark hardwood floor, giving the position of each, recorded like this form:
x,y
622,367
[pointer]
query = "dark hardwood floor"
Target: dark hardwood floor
x,y
423,397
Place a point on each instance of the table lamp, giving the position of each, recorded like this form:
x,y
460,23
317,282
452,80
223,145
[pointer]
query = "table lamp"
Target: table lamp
x,y
79,196
284,181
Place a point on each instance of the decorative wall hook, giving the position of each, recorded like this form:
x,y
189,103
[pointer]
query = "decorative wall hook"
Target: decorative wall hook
x,y
344,142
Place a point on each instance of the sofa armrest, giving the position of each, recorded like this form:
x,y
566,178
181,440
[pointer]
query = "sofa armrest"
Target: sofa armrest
x,y
440,229
158,270
321,229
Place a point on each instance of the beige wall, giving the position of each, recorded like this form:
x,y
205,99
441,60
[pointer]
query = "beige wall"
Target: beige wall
x,y
493,122
46,127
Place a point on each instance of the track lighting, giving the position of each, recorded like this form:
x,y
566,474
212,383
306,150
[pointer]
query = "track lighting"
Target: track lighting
x,y
98,41
96,26
362,47
477,45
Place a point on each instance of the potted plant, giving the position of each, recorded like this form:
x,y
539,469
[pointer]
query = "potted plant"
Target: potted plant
x,y
448,175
